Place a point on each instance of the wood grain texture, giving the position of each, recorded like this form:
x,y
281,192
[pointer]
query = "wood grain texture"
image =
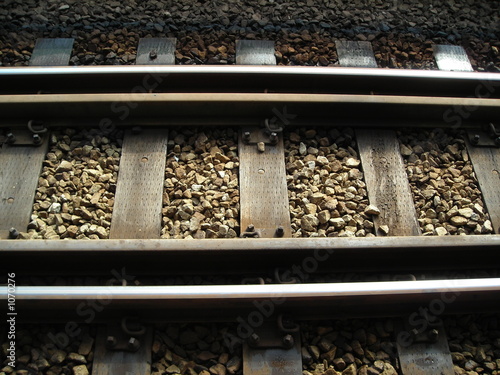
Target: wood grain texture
x,y
52,52
20,168
108,362
263,190
387,182
164,48
486,163
139,190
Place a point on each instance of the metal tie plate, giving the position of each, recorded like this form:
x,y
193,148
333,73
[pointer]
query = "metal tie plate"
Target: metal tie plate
x,y
270,357
452,58
425,358
156,51
255,52
355,54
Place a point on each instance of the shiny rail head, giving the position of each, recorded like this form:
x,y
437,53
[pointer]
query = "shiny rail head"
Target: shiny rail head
x,y
249,292
247,69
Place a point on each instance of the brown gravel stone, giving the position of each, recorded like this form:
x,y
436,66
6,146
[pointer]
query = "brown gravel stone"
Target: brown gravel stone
x,y
325,185
73,200
444,186
49,350
402,35
344,354
204,349
472,341
201,197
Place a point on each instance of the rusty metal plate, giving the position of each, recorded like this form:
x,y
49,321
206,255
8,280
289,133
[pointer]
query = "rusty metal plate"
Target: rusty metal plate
x,y
480,138
272,360
22,137
452,58
52,52
113,362
426,358
154,51
355,54
255,52
256,135
263,189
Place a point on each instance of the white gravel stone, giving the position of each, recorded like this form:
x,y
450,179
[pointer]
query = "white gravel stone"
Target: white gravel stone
x,y
384,229
372,210
321,183
440,231
70,198
202,196
351,162
80,370
443,184
309,223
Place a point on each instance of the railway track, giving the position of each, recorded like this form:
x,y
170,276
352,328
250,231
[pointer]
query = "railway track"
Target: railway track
x,y
212,171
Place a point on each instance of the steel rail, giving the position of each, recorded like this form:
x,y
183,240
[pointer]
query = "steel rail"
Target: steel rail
x,y
258,291
240,69
256,256
301,300
248,79
247,106
405,244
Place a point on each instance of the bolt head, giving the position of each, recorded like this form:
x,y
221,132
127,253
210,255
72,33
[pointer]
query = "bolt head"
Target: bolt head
x,y
246,137
133,343
37,139
254,339
13,233
111,341
433,334
288,341
280,231
273,138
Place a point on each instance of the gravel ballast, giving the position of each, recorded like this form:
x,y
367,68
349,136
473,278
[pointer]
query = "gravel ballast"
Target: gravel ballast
x,y
76,189
326,190
474,342
50,350
197,349
444,187
304,32
350,347
201,198
336,347
330,348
